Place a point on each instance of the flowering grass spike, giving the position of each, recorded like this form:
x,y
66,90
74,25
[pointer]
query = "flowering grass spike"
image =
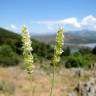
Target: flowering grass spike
x,y
57,52
58,48
27,49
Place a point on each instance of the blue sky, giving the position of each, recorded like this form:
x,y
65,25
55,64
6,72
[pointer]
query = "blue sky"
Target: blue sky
x,y
44,16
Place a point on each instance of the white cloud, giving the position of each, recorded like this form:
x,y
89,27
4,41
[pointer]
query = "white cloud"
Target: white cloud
x,y
50,28
45,22
88,22
13,26
70,21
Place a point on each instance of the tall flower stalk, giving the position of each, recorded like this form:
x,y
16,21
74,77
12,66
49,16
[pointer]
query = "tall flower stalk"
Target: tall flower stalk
x,y
27,49
57,52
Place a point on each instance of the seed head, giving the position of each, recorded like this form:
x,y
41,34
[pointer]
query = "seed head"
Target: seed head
x,y
58,48
27,49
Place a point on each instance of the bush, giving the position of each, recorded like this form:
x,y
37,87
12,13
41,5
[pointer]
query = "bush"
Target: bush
x,y
75,60
85,51
7,56
71,62
7,87
66,52
94,50
42,49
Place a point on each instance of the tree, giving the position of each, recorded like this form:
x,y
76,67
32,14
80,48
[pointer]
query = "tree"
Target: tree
x,y
66,52
7,56
85,50
75,60
94,50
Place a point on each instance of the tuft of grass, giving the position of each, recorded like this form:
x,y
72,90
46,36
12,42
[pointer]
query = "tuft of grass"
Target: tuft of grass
x,y
7,87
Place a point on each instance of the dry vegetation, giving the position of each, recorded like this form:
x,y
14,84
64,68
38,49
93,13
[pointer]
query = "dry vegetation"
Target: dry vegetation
x,y
65,81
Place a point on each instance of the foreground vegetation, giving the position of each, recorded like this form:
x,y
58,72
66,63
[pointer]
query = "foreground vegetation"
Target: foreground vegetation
x,y
19,84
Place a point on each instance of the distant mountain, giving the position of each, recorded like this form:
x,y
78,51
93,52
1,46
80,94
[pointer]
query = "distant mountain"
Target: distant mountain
x,y
83,36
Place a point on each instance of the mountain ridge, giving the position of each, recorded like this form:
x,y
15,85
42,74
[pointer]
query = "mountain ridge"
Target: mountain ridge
x,y
83,36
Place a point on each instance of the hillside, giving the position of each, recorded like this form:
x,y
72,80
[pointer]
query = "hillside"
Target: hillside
x,y
11,48
5,34
8,37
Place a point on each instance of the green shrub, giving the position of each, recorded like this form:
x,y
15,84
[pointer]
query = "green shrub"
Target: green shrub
x,y
42,49
7,87
66,52
71,62
94,50
85,50
8,57
75,60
